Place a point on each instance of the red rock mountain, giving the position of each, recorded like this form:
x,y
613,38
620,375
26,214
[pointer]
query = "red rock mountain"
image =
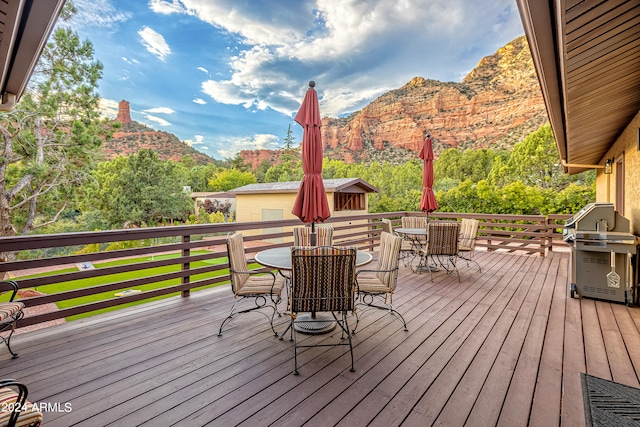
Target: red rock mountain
x,y
133,136
124,112
495,106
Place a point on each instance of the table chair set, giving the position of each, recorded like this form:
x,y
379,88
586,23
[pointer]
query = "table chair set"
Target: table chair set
x,y
319,279
443,249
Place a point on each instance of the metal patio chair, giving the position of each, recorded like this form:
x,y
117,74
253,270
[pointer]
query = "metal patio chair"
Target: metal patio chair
x,y
467,240
10,313
322,280
379,283
324,233
415,222
17,410
407,251
442,247
264,288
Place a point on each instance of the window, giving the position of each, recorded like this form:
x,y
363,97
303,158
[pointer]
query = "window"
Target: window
x,y
349,201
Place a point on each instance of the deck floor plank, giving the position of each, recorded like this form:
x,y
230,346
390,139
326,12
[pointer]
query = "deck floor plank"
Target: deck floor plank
x,y
545,408
502,347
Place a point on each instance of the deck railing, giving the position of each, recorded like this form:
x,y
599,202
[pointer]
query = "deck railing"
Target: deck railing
x,y
205,245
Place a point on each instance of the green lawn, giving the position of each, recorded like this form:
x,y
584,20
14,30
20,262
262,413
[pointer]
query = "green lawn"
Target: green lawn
x,y
96,281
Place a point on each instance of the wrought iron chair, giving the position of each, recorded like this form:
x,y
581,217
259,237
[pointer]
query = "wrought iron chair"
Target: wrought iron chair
x,y
248,284
324,235
379,283
17,410
442,245
467,240
322,280
10,313
407,251
415,222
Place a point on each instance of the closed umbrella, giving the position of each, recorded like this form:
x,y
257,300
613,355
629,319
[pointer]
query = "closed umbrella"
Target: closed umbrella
x,y
428,202
311,204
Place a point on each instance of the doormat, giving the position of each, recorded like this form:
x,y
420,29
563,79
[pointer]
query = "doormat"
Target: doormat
x,y
607,403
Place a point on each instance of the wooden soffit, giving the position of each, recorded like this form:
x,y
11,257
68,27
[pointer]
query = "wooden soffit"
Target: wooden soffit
x,y
587,56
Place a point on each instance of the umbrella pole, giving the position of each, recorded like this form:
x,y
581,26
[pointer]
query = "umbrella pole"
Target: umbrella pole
x,y
313,236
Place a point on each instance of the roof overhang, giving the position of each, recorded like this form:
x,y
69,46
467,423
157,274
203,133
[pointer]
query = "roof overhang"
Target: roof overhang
x,y
25,26
587,56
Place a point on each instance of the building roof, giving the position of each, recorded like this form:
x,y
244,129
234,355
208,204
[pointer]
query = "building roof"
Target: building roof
x,y
587,56
340,185
25,26
211,195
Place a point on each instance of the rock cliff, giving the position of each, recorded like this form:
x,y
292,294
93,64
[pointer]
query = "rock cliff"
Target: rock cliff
x,y
133,136
495,106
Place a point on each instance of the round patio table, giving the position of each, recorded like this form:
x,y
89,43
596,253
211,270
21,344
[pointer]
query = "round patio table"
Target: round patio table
x,y
415,235
280,258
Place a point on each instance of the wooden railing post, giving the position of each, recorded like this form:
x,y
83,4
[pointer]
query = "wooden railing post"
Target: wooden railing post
x,y
549,230
186,266
489,228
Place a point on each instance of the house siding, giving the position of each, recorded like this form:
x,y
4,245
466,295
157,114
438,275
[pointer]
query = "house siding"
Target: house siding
x,y
249,208
626,147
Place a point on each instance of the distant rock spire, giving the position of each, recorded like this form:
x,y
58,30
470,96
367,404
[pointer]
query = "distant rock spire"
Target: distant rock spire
x,y
124,112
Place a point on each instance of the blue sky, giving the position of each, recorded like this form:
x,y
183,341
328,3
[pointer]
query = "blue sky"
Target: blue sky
x,y
228,75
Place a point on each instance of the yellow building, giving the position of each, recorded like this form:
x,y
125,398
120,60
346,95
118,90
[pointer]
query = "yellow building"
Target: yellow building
x,y
274,200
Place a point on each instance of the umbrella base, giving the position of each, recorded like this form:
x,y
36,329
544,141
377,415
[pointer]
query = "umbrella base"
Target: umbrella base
x,y
314,325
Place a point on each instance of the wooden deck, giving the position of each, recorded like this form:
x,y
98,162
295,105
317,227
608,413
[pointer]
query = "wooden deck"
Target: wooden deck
x,y
503,347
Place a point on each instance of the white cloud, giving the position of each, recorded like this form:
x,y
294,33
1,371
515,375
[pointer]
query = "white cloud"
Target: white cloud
x,y
159,110
108,108
204,70
159,120
154,43
199,101
256,142
354,49
98,13
130,61
166,7
197,140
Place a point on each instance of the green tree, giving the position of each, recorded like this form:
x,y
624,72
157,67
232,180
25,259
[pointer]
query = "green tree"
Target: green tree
x,y
534,161
198,177
51,139
228,179
290,170
238,163
289,152
140,189
261,171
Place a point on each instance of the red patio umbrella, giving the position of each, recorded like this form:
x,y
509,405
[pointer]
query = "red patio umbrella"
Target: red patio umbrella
x,y
311,204
428,202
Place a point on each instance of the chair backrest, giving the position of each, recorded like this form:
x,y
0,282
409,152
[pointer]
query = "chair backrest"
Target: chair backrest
x,y
388,257
468,234
322,278
386,225
324,235
414,222
237,261
442,238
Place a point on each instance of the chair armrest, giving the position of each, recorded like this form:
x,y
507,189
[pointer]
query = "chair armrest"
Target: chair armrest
x,y
19,404
376,271
10,284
